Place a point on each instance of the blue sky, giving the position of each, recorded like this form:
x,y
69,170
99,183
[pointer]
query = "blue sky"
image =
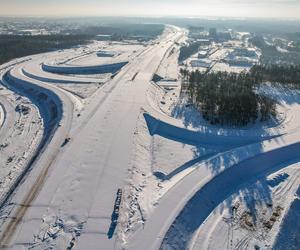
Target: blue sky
x,y
230,8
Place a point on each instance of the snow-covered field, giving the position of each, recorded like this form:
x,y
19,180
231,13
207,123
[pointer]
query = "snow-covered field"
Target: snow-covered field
x,y
111,158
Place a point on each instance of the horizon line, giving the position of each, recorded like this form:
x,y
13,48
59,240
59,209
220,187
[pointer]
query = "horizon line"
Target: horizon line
x,y
240,18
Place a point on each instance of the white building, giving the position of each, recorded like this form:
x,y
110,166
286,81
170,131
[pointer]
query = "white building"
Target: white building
x,y
201,63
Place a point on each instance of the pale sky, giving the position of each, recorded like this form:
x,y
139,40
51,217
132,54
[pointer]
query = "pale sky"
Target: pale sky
x,y
192,8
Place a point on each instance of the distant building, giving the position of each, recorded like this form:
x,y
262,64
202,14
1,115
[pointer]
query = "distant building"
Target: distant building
x,y
224,36
202,53
228,44
213,32
196,29
103,37
245,52
201,63
245,57
204,42
105,53
241,62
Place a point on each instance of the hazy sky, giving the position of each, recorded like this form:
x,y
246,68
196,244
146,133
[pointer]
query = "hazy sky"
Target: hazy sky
x,y
195,8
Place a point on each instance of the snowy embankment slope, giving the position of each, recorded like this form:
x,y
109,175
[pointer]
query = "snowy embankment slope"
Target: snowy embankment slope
x,y
35,72
194,137
2,114
84,70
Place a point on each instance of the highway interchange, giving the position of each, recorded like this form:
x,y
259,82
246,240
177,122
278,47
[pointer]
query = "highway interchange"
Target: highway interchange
x,y
82,157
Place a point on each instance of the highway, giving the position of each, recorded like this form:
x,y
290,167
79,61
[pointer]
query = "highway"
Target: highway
x,y
75,186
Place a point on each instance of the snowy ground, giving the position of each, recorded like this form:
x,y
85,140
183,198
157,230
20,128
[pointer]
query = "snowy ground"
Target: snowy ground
x,y
185,184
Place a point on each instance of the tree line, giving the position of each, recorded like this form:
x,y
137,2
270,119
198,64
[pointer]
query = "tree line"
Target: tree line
x,y
188,50
286,75
15,46
228,98
270,54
